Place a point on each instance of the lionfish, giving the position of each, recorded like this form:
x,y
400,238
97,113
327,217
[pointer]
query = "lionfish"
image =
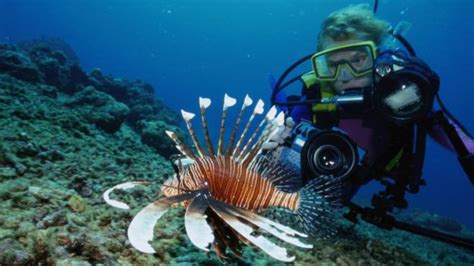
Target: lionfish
x,y
224,191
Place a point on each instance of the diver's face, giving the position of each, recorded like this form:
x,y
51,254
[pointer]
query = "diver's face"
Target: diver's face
x,y
346,80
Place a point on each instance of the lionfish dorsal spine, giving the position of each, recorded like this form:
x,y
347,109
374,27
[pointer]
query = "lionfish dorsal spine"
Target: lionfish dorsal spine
x,y
247,102
204,103
257,110
187,116
228,102
181,146
267,133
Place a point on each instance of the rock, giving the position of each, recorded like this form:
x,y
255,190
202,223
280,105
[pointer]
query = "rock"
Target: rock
x,y
6,233
99,108
34,190
56,218
72,262
50,68
77,219
18,64
47,90
75,124
7,173
96,73
77,204
11,159
80,185
27,150
51,155
55,69
38,244
140,112
78,76
153,134
20,169
61,50
44,194
13,253
25,228
88,96
112,117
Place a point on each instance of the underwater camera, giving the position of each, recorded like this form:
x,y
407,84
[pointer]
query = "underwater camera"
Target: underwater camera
x,y
320,152
402,94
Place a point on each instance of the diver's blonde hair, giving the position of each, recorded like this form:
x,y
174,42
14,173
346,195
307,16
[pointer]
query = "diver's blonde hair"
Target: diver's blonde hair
x,y
352,22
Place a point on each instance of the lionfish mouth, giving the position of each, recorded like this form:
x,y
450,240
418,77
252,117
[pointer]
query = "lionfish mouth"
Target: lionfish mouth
x,y
223,189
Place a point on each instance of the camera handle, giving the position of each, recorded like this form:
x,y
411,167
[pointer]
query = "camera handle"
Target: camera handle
x,y
389,222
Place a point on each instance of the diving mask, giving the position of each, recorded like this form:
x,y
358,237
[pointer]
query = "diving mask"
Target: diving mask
x,y
357,57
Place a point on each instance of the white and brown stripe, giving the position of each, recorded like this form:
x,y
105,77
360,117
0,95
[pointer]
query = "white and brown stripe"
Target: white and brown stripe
x,y
233,183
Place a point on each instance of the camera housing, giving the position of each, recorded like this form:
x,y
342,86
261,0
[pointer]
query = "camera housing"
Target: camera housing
x,y
323,152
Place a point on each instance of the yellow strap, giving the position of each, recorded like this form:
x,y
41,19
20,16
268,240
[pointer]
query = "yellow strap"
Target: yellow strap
x,y
309,80
326,92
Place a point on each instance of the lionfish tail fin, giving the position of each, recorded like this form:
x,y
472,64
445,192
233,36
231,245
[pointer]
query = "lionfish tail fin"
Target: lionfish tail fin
x,y
318,202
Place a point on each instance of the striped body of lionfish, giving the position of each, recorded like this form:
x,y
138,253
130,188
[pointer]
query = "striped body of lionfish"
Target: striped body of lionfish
x,y
224,189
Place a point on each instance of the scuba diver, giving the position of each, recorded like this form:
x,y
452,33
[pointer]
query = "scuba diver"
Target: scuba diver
x,y
364,112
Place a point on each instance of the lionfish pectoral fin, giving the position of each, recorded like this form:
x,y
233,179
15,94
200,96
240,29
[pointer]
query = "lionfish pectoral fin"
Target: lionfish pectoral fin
x,y
317,207
246,231
197,229
140,230
123,186
225,236
278,230
282,175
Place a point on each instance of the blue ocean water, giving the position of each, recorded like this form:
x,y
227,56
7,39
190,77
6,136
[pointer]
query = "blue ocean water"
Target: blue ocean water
x,y
187,49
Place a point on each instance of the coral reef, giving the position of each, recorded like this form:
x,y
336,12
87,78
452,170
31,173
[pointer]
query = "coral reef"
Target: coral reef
x,y
67,135
55,44
99,108
98,99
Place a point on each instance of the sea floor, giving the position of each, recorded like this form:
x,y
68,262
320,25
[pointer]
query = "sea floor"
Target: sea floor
x,y
67,136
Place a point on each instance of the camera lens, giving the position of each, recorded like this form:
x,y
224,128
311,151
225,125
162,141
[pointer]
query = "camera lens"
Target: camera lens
x,y
328,158
328,152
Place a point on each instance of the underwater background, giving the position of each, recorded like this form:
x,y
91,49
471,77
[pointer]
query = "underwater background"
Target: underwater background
x,y
130,52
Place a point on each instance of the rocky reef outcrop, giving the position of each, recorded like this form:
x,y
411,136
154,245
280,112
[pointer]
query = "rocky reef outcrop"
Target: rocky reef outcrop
x,y
101,100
